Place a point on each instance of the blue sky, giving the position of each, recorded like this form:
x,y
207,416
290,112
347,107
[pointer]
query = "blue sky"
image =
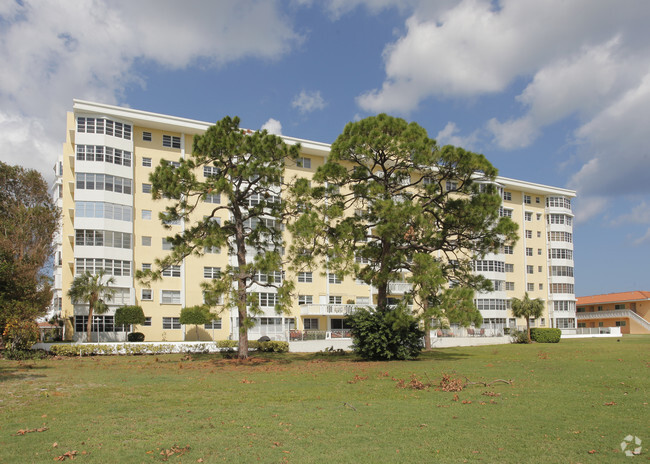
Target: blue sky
x,y
554,92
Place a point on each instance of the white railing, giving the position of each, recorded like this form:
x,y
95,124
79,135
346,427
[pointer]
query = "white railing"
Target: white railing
x,y
306,335
329,309
398,288
614,313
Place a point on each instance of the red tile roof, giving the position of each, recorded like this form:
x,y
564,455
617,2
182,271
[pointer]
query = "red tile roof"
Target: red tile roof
x,y
613,298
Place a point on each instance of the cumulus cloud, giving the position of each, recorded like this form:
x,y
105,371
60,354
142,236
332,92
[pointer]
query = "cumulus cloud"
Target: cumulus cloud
x,y
273,126
450,135
306,102
52,52
584,61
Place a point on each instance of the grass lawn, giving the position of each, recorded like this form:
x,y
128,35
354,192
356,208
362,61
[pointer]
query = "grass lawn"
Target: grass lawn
x,y
572,402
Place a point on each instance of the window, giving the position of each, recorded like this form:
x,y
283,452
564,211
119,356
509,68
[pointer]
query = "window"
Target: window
x,y
303,163
104,126
564,305
171,323
214,324
146,214
305,299
562,288
212,198
92,181
539,268
113,267
210,171
489,266
100,324
147,295
528,216
310,324
529,233
268,299
510,286
171,141
530,269
558,202
212,250
146,266
103,154
530,287
505,212
146,188
619,306
556,236
567,271
508,249
539,251
166,245
170,297
527,199
621,323
147,322
305,277
335,300
333,278
487,304
146,136
210,272
560,253
146,162
539,216
541,286
507,196
510,267
451,185
529,252
146,241
172,271
539,234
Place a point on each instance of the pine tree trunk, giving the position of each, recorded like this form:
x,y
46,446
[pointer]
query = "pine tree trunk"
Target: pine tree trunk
x,y
240,243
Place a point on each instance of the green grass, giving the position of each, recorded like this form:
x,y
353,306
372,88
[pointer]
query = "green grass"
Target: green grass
x,y
309,408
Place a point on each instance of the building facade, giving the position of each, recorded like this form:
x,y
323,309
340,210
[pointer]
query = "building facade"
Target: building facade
x,y
110,222
628,310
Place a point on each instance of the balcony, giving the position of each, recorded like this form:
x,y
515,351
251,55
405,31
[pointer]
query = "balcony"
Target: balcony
x,y
399,288
329,309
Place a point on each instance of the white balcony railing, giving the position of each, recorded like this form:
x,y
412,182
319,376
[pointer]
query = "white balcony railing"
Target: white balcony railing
x,y
399,288
329,309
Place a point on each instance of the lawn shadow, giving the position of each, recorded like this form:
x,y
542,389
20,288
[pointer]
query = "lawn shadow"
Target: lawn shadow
x,y
20,372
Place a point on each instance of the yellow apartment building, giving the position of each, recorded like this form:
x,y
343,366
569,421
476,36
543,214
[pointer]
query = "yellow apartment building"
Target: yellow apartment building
x,y
628,310
109,221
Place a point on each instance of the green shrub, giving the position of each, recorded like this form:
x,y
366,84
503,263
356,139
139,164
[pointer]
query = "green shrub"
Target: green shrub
x,y
386,333
227,343
253,345
135,337
519,336
127,315
545,335
20,335
23,355
274,347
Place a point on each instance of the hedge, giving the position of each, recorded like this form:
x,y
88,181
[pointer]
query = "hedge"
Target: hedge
x,y
545,335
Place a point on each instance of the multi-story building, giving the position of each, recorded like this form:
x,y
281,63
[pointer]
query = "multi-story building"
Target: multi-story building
x,y
628,310
110,222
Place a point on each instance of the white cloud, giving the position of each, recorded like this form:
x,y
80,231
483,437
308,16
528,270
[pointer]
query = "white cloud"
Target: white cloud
x,y
514,133
52,52
450,136
306,102
273,126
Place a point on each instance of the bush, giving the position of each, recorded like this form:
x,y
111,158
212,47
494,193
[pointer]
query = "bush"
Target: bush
x,y
519,336
273,347
135,337
386,333
20,335
545,335
23,355
127,315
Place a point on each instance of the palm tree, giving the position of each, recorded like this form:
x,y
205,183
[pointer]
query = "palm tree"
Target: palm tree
x,y
527,308
92,289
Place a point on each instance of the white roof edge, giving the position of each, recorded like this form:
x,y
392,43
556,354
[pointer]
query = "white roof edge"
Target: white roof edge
x,y
534,188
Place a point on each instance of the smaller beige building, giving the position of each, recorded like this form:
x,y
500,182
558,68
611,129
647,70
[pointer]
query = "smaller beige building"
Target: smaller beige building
x,y
628,310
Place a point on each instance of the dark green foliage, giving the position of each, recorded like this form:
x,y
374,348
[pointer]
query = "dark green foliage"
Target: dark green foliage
x,y
545,335
127,315
389,333
135,337
245,168
528,309
196,315
92,289
24,355
273,347
28,220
